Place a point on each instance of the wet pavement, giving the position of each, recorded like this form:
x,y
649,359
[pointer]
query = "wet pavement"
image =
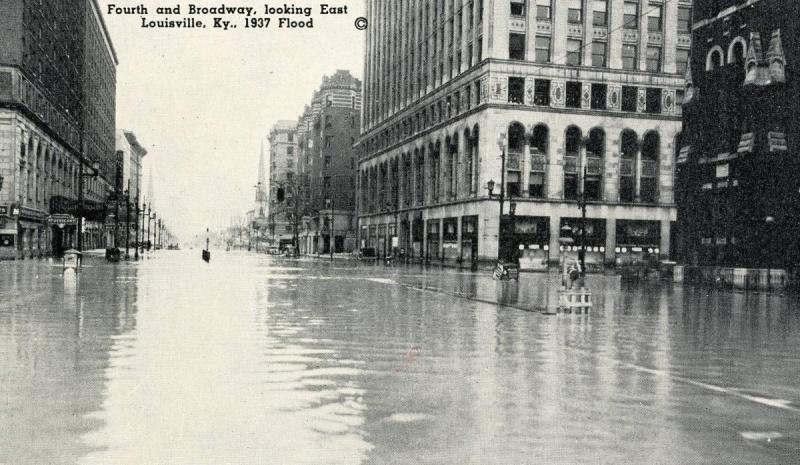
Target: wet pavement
x,y
261,360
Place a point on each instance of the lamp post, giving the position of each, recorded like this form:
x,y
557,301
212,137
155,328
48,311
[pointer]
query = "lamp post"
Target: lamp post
x,y
93,174
331,231
582,206
565,240
127,221
148,243
769,221
501,143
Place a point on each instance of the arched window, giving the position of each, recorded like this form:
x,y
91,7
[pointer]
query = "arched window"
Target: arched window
x,y
537,176
736,51
629,147
516,145
595,151
715,58
650,156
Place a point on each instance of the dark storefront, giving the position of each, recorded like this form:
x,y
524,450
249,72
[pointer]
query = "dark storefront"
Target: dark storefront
x,y
638,242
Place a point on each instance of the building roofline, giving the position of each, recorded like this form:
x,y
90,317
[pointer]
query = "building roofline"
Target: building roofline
x,y
134,142
106,34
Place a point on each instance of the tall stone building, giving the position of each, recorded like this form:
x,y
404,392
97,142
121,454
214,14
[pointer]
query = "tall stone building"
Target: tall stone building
x,y
571,96
738,193
283,175
327,132
57,93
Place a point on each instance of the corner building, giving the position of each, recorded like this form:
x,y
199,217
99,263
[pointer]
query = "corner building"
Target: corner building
x,y
736,181
57,106
576,96
327,132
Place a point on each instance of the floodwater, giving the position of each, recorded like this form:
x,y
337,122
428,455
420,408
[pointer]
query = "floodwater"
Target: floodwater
x,y
259,360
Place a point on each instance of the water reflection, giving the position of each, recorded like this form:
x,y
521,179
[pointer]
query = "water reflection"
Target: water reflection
x,y
257,360
55,339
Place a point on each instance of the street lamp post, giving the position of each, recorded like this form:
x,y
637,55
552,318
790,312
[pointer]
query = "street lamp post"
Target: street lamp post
x,y
770,222
329,206
501,197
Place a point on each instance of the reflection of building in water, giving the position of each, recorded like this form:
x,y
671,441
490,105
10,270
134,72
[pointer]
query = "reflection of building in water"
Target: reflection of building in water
x,y
575,96
737,167
55,364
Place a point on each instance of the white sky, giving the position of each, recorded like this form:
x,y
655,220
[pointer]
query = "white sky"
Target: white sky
x,y
201,101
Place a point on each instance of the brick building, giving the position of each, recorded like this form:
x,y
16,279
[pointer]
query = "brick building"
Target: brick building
x,y
576,96
57,88
327,132
283,170
737,188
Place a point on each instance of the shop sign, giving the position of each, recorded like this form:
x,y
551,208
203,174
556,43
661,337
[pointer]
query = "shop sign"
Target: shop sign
x,y
62,219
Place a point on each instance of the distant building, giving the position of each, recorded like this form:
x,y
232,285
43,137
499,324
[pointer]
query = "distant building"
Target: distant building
x,y
576,96
130,155
57,88
737,166
283,170
327,132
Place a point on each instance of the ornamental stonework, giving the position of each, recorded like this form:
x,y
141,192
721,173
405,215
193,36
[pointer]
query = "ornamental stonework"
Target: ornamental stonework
x,y
557,93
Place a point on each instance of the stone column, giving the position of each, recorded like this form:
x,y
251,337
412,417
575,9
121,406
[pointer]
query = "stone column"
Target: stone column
x,y
664,246
524,161
611,241
638,172
555,229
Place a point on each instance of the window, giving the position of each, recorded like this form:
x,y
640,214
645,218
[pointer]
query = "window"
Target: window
x,y
574,52
543,9
573,148
328,142
477,93
630,15
516,90
654,59
542,49
599,96
516,46
328,101
599,54
629,56
653,103
681,61
679,94
573,94
541,92
629,97
290,137
290,150
575,11
517,8
684,20
600,13
654,18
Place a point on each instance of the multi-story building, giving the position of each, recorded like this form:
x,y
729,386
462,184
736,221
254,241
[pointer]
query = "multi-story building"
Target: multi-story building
x,y
571,96
57,80
283,170
261,221
737,188
327,132
130,155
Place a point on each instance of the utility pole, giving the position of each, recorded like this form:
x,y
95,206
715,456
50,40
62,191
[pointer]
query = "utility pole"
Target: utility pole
x,y
136,242
127,220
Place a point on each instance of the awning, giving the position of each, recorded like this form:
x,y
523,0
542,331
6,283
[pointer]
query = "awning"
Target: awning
x,y
30,224
746,143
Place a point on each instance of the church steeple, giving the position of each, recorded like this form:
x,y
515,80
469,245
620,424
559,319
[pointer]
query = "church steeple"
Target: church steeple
x,y
261,187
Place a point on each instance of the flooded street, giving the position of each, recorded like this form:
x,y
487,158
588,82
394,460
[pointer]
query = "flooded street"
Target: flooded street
x,y
258,360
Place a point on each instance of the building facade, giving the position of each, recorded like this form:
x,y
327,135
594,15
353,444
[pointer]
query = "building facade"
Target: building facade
x,y
57,81
283,170
327,132
738,194
128,185
575,98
